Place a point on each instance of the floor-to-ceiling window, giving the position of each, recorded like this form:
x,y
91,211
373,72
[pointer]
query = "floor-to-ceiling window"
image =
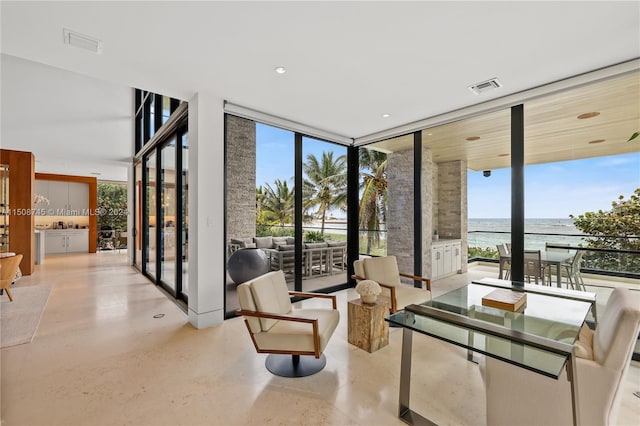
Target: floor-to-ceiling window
x,y
150,241
161,185
300,228
168,210
135,241
183,215
324,212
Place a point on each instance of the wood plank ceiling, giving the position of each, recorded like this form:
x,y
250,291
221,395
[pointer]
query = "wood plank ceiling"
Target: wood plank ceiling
x,y
553,131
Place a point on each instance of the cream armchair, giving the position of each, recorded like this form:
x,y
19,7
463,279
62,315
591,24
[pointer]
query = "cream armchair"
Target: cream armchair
x,y
384,270
516,396
295,338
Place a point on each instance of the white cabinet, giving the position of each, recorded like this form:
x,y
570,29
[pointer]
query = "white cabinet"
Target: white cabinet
x,y
437,260
66,241
63,197
78,196
445,258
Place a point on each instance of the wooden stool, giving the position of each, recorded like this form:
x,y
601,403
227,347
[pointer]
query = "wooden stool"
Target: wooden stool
x,y
367,328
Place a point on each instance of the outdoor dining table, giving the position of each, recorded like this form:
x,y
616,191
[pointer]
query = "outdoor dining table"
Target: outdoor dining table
x,y
547,258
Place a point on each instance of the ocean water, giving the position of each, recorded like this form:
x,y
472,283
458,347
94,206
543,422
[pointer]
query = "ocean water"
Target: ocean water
x,y
485,233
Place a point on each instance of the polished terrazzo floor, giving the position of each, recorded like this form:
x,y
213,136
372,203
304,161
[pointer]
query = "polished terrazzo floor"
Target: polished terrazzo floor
x,y
100,357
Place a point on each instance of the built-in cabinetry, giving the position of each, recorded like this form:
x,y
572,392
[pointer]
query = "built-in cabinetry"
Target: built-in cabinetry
x,y
446,258
66,241
65,198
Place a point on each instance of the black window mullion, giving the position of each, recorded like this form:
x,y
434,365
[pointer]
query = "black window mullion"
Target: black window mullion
x,y
517,193
298,212
353,207
159,242
417,207
179,212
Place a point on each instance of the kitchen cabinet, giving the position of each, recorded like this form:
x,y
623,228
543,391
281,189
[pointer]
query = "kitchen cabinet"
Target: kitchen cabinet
x,y
66,241
446,258
63,197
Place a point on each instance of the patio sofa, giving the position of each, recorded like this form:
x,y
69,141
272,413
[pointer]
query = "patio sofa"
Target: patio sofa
x,y
318,258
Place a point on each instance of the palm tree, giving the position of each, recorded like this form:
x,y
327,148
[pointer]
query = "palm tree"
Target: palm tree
x,y
278,203
326,184
373,202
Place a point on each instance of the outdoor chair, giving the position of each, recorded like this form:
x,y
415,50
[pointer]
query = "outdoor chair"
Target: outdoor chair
x,y
571,271
516,396
384,270
505,261
533,267
294,338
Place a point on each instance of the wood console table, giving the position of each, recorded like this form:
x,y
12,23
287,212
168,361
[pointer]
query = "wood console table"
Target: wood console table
x,y
367,328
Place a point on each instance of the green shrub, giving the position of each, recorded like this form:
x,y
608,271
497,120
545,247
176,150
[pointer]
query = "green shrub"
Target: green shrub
x,y
313,237
484,253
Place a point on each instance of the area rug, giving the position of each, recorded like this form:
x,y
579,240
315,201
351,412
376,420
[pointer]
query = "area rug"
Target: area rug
x,y
20,319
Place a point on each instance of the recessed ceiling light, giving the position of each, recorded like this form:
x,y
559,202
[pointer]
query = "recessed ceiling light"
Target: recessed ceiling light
x,y
588,115
597,141
280,70
429,134
386,115
473,138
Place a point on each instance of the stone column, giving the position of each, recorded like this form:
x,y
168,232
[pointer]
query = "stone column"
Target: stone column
x,y
452,204
400,203
241,177
400,219
429,198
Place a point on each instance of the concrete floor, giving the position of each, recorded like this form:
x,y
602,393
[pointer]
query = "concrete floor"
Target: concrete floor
x,y
100,357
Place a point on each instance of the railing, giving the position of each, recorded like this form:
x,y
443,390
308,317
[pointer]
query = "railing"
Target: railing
x,y
603,261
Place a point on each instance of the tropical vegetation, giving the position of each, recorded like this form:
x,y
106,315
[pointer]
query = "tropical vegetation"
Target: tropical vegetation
x,y
325,185
373,201
615,229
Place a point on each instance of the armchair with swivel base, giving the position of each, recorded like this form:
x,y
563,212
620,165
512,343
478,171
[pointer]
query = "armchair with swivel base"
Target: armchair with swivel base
x,y
294,338
384,270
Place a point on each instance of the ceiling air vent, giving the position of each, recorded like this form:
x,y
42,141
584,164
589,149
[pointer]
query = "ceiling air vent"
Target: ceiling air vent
x,y
82,41
485,86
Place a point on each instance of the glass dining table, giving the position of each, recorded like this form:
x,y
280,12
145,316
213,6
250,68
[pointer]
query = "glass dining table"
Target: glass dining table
x,y
539,337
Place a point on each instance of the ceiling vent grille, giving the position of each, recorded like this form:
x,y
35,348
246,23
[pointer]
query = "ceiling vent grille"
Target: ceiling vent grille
x,y
72,38
485,86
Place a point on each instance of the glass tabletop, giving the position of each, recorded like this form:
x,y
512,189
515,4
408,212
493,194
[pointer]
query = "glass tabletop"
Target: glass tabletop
x,y
539,337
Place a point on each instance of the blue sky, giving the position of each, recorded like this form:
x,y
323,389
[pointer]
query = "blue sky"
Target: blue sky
x,y
553,190
275,153
556,190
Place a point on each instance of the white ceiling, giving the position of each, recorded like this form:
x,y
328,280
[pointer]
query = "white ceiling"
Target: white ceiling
x,y
348,62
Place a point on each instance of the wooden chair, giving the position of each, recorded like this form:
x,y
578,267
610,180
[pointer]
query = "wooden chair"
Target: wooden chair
x,y
384,270
283,332
8,269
